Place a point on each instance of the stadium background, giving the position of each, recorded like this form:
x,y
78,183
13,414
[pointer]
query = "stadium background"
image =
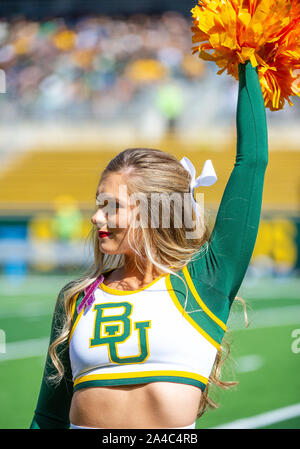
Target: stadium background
x,y
79,82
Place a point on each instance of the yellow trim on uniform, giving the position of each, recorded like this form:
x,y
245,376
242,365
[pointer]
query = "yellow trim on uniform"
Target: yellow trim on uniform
x,y
199,300
73,306
135,374
78,316
187,316
128,292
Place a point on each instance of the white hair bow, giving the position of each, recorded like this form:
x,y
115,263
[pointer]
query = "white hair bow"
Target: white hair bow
x,y
207,178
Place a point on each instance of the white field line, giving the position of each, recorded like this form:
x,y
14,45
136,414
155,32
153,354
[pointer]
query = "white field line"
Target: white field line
x,y
264,419
270,289
248,363
28,310
25,349
264,318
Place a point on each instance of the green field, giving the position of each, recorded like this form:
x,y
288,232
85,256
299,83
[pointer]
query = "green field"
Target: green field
x,y
264,357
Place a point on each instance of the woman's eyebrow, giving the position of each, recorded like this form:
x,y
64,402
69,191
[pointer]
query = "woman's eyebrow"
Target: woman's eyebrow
x,y
107,196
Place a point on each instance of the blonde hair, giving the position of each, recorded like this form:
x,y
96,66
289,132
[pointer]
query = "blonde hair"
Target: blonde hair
x,y
148,171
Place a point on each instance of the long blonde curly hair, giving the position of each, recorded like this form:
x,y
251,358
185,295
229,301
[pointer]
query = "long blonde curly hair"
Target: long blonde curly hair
x,y
147,171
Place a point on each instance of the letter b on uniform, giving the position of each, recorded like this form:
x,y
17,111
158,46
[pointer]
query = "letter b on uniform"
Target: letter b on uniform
x,y
113,329
117,331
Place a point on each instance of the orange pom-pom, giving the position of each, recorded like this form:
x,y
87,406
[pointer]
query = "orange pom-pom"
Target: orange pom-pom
x,y
266,32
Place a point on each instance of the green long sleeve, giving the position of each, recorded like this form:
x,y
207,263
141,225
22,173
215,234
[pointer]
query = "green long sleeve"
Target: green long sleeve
x,y
218,271
52,411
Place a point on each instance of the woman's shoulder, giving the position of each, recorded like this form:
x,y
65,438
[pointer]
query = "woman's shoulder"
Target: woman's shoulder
x,y
68,301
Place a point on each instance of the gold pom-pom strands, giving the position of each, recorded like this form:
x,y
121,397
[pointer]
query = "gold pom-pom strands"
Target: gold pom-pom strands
x,y
266,32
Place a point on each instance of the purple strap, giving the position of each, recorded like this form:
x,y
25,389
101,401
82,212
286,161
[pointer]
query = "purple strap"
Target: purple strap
x,y
89,297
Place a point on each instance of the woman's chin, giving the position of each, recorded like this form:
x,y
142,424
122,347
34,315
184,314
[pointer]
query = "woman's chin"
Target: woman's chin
x,y
107,248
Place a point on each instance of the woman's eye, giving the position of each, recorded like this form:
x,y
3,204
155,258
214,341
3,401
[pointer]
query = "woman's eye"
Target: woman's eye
x,y
109,205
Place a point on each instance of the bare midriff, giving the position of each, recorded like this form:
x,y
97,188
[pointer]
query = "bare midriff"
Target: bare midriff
x,y
144,406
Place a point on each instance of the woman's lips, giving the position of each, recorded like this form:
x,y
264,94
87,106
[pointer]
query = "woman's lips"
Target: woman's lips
x,y
103,234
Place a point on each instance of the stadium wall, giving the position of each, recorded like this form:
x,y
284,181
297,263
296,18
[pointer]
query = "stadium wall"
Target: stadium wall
x,y
49,243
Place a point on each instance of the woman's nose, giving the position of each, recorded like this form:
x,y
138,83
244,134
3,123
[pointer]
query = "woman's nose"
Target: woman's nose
x,y
98,219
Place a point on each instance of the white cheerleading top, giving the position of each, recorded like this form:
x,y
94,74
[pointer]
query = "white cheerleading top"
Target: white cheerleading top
x,y
141,336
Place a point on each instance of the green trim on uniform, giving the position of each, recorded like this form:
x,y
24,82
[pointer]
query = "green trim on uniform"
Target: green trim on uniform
x,y
195,311
78,300
139,380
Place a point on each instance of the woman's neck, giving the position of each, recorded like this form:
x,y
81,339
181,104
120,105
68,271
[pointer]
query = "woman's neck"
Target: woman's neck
x,y
130,271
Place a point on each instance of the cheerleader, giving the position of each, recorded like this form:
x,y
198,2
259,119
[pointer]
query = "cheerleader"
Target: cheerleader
x,y
137,341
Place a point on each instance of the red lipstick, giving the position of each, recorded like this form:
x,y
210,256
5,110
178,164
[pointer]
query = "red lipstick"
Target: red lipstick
x,y
103,234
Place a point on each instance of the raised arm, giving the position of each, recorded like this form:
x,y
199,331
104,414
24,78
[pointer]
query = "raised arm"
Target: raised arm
x,y
233,237
52,411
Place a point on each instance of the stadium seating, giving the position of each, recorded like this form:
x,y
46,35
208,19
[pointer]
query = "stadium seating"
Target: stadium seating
x,y
36,178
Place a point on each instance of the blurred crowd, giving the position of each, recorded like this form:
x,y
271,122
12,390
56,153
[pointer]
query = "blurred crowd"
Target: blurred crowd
x,y
91,67
105,67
